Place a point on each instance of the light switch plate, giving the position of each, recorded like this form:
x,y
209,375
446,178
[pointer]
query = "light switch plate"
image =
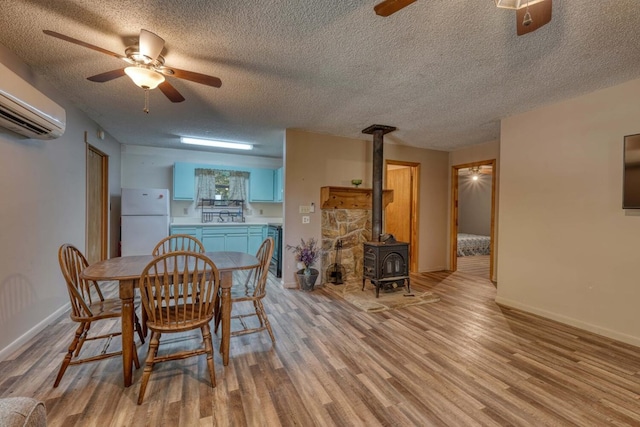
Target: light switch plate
x,y
305,209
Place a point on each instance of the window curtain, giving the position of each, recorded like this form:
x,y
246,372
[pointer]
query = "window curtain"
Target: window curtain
x,y
238,185
206,184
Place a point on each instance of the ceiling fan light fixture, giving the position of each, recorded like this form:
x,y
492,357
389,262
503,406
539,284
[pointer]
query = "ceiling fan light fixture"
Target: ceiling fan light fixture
x,y
144,77
515,4
214,143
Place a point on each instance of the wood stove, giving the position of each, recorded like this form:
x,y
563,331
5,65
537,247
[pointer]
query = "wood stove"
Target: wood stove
x,y
386,265
386,262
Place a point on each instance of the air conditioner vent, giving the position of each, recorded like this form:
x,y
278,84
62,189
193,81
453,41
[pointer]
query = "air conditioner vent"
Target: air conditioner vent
x,y
23,123
27,111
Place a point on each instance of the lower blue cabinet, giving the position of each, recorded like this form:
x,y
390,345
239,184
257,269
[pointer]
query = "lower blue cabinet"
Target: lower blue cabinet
x,y
242,238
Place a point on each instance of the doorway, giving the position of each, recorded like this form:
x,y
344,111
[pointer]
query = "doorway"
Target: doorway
x,y
473,217
97,205
403,179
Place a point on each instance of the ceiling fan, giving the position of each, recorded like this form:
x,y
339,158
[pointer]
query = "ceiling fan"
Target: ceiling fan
x,y
146,66
530,14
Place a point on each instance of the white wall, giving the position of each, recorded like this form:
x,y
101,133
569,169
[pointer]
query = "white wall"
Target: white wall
x,y
314,160
568,251
474,204
42,187
152,167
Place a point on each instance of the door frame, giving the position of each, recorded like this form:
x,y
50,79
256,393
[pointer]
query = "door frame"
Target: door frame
x,y
104,200
415,212
453,256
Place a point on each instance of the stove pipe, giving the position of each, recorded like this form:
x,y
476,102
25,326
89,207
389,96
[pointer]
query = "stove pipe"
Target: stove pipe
x,y
378,132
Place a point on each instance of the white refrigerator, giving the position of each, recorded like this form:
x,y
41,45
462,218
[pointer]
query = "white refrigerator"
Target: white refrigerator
x,y
144,220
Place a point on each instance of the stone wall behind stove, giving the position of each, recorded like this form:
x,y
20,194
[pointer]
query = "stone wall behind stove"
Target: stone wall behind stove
x,y
353,227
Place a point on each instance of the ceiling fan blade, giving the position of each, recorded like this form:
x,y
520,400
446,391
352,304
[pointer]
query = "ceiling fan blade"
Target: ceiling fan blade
x,y
109,75
150,44
540,15
170,92
84,44
388,7
192,76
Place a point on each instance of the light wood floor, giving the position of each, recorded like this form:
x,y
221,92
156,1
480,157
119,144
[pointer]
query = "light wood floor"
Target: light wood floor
x,y
463,361
477,265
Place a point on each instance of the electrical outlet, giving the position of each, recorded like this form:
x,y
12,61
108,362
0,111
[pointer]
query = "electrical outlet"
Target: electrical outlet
x,y
305,219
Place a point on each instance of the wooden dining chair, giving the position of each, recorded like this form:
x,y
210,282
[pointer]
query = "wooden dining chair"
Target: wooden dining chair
x,y
88,305
178,242
253,289
179,293
175,242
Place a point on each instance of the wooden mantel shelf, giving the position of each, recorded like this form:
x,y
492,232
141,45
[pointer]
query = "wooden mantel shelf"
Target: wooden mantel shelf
x,y
351,198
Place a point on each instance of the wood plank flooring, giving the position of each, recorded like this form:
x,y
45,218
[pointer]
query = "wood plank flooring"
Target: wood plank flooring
x,y
463,361
477,265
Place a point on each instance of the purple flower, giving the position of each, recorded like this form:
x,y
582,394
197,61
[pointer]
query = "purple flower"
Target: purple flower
x,y
306,252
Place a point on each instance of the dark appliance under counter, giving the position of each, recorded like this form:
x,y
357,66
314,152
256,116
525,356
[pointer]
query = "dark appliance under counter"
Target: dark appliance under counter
x,y
275,231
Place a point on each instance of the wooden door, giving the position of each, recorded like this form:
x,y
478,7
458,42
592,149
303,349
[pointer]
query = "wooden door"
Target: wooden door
x,y
398,211
97,205
401,216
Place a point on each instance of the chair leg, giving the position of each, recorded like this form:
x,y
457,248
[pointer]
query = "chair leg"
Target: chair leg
x,y
143,315
138,328
218,317
69,356
208,345
262,315
82,338
257,309
154,342
136,362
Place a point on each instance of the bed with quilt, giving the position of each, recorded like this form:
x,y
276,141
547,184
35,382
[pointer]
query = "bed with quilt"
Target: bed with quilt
x,y
473,244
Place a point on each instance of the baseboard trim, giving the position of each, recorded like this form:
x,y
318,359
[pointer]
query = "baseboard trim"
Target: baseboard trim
x,y
609,333
15,345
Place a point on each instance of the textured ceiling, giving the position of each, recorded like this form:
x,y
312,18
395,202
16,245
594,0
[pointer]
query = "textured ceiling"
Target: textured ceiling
x,y
444,72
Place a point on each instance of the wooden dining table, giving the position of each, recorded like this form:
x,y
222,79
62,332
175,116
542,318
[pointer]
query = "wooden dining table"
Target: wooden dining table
x,y
127,269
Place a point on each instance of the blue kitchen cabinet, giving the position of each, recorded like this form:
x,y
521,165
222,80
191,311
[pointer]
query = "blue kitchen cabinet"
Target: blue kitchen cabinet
x,y
237,241
184,181
257,234
190,230
240,238
278,185
261,185
213,239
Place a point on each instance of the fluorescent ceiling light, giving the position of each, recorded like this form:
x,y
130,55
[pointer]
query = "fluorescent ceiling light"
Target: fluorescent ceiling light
x,y
213,143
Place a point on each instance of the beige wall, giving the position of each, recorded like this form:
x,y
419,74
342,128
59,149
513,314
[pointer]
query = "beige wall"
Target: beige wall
x,y
42,187
316,160
478,153
568,251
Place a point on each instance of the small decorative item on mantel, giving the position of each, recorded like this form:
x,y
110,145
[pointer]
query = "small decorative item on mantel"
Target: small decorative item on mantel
x,y
356,182
306,254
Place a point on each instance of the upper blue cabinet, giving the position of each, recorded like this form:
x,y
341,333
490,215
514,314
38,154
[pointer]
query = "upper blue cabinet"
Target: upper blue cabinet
x,y
261,185
265,185
184,181
278,186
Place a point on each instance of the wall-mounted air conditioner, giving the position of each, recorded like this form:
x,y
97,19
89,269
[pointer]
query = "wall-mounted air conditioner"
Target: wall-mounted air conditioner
x,y
26,110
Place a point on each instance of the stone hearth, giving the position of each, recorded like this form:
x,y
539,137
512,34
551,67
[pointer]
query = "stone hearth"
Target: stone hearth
x,y
353,227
